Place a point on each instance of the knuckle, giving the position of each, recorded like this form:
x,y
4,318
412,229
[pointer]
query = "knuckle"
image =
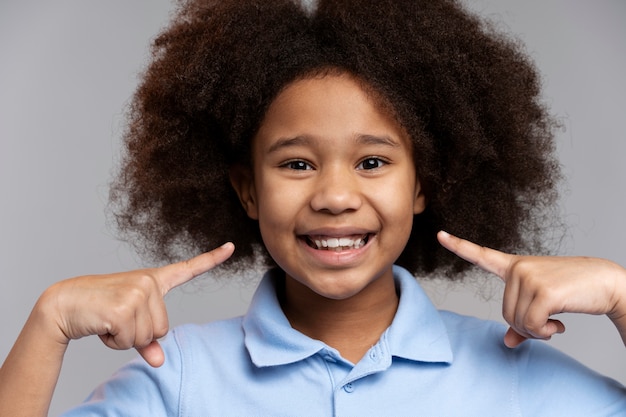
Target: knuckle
x,y
535,328
143,341
160,330
117,342
531,326
145,282
521,266
138,291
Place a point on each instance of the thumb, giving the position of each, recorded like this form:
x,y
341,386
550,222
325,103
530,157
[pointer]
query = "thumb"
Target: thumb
x,y
513,339
153,354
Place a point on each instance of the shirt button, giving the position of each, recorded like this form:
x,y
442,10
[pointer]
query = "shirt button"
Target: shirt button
x,y
374,355
329,358
348,387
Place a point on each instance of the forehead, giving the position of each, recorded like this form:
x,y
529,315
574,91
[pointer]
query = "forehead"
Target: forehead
x,y
328,106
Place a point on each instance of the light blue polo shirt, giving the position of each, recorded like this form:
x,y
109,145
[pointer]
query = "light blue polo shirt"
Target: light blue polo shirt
x,y
427,363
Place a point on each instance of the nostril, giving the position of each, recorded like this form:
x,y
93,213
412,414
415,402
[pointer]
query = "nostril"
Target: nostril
x,y
335,202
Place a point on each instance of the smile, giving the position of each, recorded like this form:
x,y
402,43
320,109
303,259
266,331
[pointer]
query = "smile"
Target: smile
x,y
337,244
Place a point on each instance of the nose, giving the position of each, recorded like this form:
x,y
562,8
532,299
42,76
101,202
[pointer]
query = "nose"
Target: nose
x,y
336,191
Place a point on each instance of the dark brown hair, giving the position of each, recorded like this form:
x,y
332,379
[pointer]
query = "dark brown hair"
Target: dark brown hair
x,y
467,95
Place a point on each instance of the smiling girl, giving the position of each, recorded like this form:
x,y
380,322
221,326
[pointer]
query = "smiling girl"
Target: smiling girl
x,y
332,144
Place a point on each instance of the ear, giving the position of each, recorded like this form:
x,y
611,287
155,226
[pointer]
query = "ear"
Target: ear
x,y
419,203
242,180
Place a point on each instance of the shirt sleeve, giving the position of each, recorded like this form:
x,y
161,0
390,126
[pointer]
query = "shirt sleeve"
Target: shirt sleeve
x,y
554,384
137,389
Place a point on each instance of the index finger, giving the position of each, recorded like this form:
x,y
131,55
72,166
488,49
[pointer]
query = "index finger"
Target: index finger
x,y
488,259
173,275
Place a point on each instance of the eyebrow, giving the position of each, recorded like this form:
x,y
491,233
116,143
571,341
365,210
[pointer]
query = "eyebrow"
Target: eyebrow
x,y
303,140
289,142
377,140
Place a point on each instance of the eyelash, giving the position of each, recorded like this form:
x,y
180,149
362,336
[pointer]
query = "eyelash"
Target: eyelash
x,y
301,165
379,163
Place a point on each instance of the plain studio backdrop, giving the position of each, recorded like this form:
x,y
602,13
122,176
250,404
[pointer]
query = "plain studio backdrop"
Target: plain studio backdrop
x,y
68,69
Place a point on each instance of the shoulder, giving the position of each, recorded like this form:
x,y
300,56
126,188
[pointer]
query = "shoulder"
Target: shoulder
x,y
460,324
214,337
478,346
484,339
543,376
196,357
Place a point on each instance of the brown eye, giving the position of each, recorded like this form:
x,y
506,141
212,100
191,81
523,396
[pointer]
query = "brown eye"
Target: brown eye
x,y
297,165
371,163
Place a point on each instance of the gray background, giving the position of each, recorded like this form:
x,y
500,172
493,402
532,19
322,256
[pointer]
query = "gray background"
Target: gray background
x,y
67,69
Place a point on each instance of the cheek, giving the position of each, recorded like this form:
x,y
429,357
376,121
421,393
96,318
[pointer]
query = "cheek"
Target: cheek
x,y
396,207
277,204
397,196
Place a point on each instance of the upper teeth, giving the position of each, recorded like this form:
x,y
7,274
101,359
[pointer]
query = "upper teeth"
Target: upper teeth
x,y
342,242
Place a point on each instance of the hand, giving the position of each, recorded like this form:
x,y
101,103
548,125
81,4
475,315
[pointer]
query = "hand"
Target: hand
x,y
537,287
125,309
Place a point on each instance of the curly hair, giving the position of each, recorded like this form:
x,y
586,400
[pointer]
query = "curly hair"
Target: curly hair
x,y
467,95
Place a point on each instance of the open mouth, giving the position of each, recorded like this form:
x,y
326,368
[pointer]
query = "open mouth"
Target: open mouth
x,y
337,244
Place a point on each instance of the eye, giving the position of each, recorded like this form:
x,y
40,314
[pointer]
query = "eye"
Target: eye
x,y
298,165
371,163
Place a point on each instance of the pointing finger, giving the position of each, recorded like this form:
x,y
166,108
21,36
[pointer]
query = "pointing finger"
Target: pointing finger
x,y
490,260
176,274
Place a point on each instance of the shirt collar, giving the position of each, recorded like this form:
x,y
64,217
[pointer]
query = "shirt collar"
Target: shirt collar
x,y
417,332
268,335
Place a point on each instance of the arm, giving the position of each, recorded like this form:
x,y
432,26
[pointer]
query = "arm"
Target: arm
x,y
537,287
125,310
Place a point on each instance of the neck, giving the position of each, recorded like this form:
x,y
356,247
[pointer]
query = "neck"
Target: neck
x,y
352,325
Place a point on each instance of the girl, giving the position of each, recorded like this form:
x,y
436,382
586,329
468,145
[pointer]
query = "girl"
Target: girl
x,y
350,134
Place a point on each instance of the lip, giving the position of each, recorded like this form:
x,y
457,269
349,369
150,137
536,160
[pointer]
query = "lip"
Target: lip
x,y
336,231
332,258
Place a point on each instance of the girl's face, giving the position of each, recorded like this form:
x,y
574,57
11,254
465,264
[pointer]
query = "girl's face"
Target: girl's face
x,y
333,186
